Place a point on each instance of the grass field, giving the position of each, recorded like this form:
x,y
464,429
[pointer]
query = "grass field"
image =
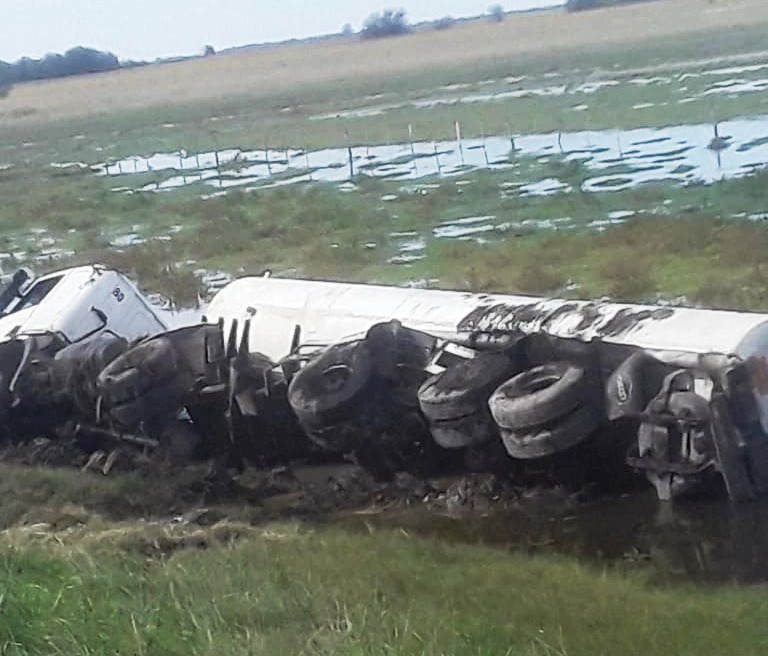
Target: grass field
x,y
80,574
283,590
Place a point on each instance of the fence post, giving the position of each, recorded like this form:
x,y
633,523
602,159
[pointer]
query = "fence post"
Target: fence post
x,y
458,140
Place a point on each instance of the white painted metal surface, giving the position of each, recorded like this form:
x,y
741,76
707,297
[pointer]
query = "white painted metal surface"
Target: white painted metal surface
x,y
330,312
81,301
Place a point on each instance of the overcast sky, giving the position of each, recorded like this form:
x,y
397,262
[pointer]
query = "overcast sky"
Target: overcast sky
x,y
147,29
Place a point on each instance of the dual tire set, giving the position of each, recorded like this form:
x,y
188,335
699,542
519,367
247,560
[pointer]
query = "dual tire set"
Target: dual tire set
x,y
536,413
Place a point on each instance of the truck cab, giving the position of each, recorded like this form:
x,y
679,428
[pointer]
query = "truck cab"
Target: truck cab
x,y
41,317
76,304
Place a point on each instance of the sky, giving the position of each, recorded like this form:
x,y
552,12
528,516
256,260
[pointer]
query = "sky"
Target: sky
x,y
148,29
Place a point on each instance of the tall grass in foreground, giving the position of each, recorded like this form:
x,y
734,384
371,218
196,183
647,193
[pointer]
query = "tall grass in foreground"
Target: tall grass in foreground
x,y
285,590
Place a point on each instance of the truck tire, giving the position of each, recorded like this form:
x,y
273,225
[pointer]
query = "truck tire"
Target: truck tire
x,y
539,396
463,389
564,434
140,368
75,370
471,430
330,388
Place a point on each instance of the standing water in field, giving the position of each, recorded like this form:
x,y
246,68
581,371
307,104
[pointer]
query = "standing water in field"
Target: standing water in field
x,y
704,541
616,159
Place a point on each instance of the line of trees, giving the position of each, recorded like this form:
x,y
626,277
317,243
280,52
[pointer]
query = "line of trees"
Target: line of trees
x,y
393,23
581,5
75,61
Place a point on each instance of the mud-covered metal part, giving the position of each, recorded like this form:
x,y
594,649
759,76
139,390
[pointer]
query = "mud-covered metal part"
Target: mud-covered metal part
x,y
242,409
75,370
102,433
149,384
11,353
732,455
631,386
35,406
675,445
360,398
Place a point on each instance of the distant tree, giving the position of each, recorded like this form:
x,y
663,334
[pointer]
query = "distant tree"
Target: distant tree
x,y
208,51
496,13
132,63
6,74
386,23
75,61
582,5
347,30
444,23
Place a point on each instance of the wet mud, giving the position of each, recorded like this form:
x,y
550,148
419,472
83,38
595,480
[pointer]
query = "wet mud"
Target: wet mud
x,y
706,541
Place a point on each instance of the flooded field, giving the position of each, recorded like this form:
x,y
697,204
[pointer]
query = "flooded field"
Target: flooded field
x,y
616,159
683,86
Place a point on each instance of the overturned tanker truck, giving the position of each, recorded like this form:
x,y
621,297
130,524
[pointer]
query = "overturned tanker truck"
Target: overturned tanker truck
x,y
687,388
396,377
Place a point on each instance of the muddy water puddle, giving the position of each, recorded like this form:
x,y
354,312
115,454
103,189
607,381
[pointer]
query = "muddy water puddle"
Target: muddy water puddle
x,y
706,541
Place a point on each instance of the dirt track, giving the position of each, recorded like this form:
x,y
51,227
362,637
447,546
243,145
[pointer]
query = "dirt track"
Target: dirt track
x,y
285,69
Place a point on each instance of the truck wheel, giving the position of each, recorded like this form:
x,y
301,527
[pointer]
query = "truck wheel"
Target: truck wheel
x,y
464,388
330,388
76,368
471,430
538,396
138,369
567,432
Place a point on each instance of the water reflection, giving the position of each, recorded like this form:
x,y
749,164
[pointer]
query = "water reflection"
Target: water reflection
x,y
614,159
706,541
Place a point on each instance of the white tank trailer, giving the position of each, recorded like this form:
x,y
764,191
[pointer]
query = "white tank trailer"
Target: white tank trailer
x,y
686,387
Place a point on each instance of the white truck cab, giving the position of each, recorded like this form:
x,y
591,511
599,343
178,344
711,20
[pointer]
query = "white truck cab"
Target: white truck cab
x,y
77,303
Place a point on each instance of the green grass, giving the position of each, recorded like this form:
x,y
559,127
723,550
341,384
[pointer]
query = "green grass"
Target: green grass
x,y
288,590
681,241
